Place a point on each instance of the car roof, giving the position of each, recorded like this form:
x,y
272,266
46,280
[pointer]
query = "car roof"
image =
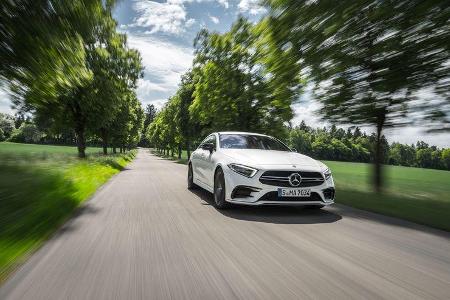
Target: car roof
x,y
240,132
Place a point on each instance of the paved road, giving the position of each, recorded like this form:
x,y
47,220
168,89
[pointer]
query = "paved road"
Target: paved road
x,y
145,236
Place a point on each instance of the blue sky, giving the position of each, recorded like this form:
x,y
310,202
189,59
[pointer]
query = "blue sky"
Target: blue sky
x,y
163,31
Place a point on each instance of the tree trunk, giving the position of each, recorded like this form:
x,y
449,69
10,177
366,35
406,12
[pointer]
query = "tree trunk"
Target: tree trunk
x,y
378,172
171,152
179,151
81,140
79,124
114,150
104,134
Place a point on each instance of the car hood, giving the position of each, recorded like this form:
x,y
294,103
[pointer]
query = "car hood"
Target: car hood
x,y
269,158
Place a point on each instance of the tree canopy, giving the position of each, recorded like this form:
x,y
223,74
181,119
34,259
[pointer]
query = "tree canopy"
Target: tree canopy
x,y
369,59
65,62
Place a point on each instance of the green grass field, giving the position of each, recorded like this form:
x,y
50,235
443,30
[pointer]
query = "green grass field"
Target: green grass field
x,y
15,149
414,194
40,186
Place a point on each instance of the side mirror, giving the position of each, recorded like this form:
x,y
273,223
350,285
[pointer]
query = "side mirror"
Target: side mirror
x,y
208,146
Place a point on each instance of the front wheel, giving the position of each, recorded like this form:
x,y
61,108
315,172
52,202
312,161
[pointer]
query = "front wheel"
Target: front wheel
x,y
219,190
191,185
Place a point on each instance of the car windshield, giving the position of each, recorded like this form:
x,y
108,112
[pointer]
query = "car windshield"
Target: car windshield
x,y
247,141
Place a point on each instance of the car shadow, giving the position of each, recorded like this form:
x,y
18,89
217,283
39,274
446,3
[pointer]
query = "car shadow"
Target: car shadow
x,y
272,214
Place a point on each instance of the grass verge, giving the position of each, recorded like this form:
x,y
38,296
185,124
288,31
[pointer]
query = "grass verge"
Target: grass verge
x,y
414,194
39,189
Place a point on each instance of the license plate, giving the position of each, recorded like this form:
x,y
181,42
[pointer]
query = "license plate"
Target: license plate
x,y
294,192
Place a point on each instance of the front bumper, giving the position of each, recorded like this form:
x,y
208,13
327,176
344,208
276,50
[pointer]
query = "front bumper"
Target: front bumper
x,y
250,191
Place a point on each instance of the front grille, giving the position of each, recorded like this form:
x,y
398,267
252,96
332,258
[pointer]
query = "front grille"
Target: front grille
x,y
281,178
273,196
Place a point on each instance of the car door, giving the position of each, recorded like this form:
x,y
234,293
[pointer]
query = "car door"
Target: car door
x,y
195,161
209,162
201,159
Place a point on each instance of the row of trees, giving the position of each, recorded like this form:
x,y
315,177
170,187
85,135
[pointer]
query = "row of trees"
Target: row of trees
x,y
354,145
65,63
24,129
229,87
369,61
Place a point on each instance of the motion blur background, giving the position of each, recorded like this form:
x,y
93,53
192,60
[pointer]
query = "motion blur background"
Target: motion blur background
x,y
360,84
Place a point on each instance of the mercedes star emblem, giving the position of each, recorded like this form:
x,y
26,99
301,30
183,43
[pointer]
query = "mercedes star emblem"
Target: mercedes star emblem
x,y
295,179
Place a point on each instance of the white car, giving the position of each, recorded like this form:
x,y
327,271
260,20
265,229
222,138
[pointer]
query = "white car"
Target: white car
x,y
255,169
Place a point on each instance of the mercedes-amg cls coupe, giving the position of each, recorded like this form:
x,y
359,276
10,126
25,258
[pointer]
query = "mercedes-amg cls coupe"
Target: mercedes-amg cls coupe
x,y
255,169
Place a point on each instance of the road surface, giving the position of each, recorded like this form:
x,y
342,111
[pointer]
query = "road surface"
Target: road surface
x,y
145,236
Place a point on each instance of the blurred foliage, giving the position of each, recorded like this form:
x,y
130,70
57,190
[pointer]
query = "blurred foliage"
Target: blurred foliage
x,y
369,58
42,49
65,63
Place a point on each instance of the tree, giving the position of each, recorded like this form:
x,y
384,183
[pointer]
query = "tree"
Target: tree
x,y
116,73
445,157
403,155
26,133
186,126
423,157
115,70
6,124
368,58
42,51
233,87
301,140
127,125
65,61
150,113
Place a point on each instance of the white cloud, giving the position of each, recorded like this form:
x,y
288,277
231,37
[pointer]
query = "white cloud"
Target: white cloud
x,y
158,103
224,3
5,102
146,86
306,109
252,7
190,22
166,17
164,63
215,20
169,16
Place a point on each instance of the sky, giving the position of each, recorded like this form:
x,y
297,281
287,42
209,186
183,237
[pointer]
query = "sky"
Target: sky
x,y
163,31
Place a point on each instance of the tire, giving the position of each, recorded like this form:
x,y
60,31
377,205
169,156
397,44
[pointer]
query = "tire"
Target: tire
x,y
219,190
191,185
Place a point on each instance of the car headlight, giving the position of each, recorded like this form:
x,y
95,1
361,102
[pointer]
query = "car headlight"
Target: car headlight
x,y
327,173
243,170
